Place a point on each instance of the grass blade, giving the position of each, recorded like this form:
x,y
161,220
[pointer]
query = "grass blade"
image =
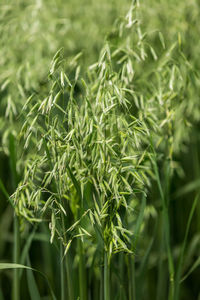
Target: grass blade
x,y
180,263
6,266
32,286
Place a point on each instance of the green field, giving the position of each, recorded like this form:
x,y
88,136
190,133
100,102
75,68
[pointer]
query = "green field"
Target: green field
x,y
99,150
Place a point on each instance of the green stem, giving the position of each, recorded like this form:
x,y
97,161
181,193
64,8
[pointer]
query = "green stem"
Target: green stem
x,y
69,278
82,277
121,271
16,282
62,272
133,282
161,268
16,247
130,278
106,278
101,285
166,224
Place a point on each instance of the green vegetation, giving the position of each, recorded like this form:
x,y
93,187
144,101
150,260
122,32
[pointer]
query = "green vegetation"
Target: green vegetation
x,y
99,173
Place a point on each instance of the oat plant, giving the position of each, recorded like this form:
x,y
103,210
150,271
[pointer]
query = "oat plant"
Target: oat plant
x,y
96,152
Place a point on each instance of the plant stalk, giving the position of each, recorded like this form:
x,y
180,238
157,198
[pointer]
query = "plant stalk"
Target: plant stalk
x,y
69,281
82,276
106,278
62,272
166,225
69,276
16,281
133,281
